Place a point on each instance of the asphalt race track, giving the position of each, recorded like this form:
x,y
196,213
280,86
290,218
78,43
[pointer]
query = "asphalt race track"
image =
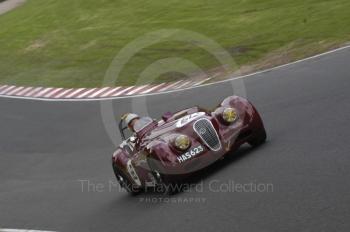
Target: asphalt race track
x,y
47,147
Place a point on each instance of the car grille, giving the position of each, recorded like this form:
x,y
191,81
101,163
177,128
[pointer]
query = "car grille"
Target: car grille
x,y
206,131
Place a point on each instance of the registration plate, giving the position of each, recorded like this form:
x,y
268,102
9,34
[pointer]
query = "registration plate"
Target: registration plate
x,y
190,154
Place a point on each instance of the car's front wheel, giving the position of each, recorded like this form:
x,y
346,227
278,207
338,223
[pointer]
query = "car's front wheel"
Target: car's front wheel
x,y
125,183
163,183
259,138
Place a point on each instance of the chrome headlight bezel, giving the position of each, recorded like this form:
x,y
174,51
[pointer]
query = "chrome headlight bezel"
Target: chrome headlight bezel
x,y
182,142
229,115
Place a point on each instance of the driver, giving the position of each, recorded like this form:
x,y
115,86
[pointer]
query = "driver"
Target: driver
x,y
136,123
131,120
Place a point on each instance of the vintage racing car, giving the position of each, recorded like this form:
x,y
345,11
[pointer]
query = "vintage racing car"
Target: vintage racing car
x,y
163,152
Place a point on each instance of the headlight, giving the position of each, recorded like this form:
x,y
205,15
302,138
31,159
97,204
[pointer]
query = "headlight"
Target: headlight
x,y
182,142
229,115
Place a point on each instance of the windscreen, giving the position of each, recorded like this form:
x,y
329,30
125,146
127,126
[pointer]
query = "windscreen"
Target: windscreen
x,y
142,123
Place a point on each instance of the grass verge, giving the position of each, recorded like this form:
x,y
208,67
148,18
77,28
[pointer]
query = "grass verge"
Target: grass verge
x,y
71,43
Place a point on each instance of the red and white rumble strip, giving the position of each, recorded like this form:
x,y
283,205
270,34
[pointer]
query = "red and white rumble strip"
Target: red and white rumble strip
x,y
20,230
93,93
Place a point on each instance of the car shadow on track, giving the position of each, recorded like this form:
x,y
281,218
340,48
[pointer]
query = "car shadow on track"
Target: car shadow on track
x,y
198,176
229,159
221,164
126,204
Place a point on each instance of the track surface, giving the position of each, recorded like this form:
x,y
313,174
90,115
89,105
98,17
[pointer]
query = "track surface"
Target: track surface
x,y
46,147
10,5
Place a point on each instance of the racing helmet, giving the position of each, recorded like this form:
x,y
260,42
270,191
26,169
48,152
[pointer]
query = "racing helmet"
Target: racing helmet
x,y
129,117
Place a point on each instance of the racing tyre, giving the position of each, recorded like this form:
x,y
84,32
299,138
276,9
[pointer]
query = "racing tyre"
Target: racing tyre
x,y
125,183
258,139
164,185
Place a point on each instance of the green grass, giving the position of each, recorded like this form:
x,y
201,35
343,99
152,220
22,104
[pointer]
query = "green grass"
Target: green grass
x,y
71,43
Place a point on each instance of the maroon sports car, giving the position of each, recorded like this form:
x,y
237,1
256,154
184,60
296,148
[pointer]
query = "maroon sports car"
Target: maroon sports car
x,y
162,152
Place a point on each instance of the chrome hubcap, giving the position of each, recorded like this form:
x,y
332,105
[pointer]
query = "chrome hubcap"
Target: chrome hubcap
x,y
157,176
120,180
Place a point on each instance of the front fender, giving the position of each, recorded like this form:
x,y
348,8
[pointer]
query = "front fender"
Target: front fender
x,y
120,159
161,153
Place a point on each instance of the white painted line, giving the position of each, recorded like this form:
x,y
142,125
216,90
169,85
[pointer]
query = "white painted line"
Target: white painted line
x,y
7,89
18,230
114,96
137,89
86,93
122,91
75,92
42,92
99,91
62,94
110,92
153,88
51,93
14,91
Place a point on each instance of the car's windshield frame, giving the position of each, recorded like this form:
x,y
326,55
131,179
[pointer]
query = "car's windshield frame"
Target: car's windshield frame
x,y
123,127
146,122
